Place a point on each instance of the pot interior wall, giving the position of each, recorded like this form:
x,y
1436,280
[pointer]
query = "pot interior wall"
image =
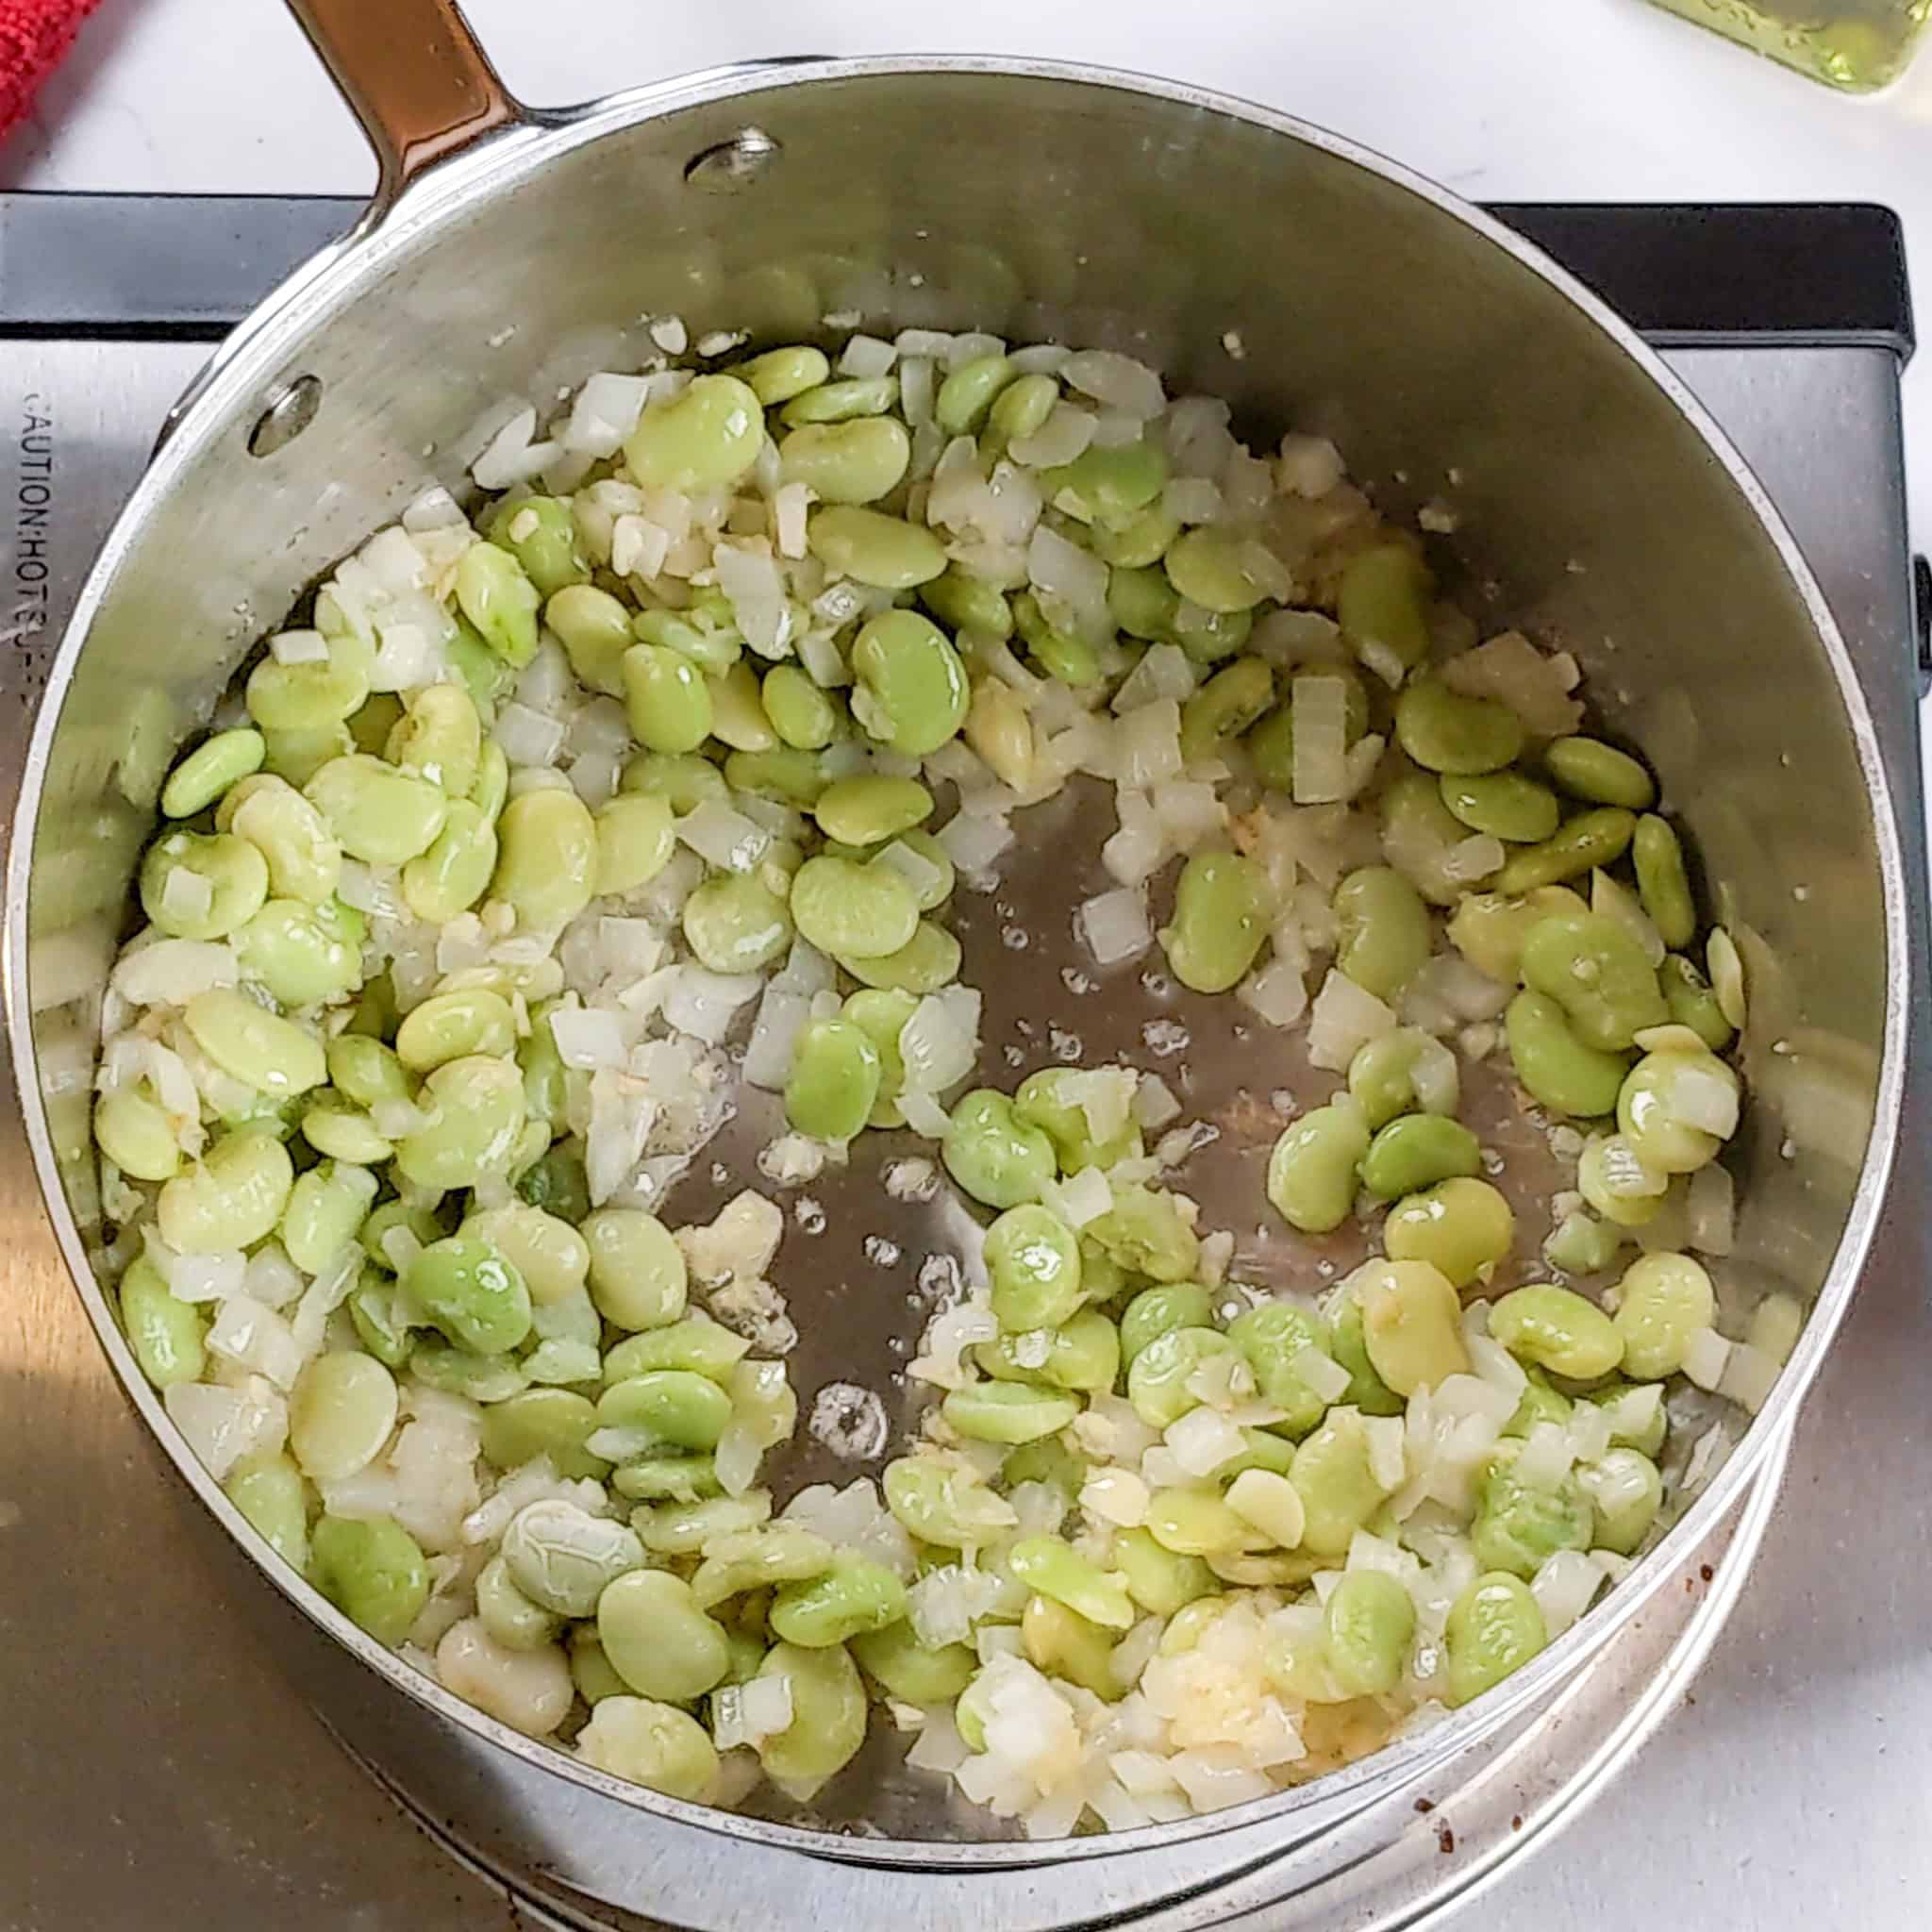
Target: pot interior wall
x,y
1590,512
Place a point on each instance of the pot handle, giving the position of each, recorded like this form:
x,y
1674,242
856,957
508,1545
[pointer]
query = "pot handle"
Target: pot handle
x,y
414,77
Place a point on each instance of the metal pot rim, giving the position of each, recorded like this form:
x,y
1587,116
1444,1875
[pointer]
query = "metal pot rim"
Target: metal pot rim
x,y
264,346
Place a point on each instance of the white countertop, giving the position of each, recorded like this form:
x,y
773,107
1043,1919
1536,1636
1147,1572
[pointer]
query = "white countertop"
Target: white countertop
x,y
1499,99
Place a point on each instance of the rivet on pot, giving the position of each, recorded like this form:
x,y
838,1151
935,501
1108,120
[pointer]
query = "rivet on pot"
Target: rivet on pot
x,y
732,164
290,410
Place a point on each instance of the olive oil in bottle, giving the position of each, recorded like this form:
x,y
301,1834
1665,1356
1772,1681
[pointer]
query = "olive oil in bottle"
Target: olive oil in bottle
x,y
1855,44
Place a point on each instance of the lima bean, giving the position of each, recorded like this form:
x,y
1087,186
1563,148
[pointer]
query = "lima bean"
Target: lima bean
x,y
1415,1151
547,857
1600,773
1412,1323
1559,1071
1445,732
1557,1329
1663,1300
1222,907
658,1637
1311,1173
1593,967
1339,1488
1383,935
373,1571
852,911
828,1707
869,547
1494,1627
1579,845
1034,1260
993,1154
1272,1339
705,437
856,1595
1462,1226
166,1334
911,690
1366,1623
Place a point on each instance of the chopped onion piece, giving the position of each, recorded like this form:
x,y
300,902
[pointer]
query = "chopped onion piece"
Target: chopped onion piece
x,y
1510,668
270,1277
1154,1104
1635,1411
1474,859
807,969
916,385
1323,1375
1544,1459
750,578
789,509
1295,638
1147,744
1388,1450
1114,925
1494,1363
924,1114
1191,499
1710,1212
914,867
1309,466
1589,1432
1073,578
186,896
1706,1354
608,406
1082,1197
1707,1100
1727,969
1203,1440
940,1041
1119,382
502,462
948,1335
1117,1496
1064,435
170,972
588,1037
1165,671
1345,1018
1434,1079
1277,994
298,647
639,547
866,357
527,737
434,510
1563,1586
1188,811
1750,1374
1139,849
206,1277
958,498
1321,724
975,841
223,1424
722,836
704,1004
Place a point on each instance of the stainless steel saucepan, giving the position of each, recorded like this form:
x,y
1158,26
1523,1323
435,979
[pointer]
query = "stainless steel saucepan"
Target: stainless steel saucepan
x,y
508,252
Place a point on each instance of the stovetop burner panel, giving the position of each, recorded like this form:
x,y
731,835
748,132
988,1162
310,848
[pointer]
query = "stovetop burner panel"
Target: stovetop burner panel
x,y
230,1803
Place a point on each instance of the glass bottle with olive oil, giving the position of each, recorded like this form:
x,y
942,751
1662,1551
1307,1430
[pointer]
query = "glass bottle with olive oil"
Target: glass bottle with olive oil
x,y
1855,44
